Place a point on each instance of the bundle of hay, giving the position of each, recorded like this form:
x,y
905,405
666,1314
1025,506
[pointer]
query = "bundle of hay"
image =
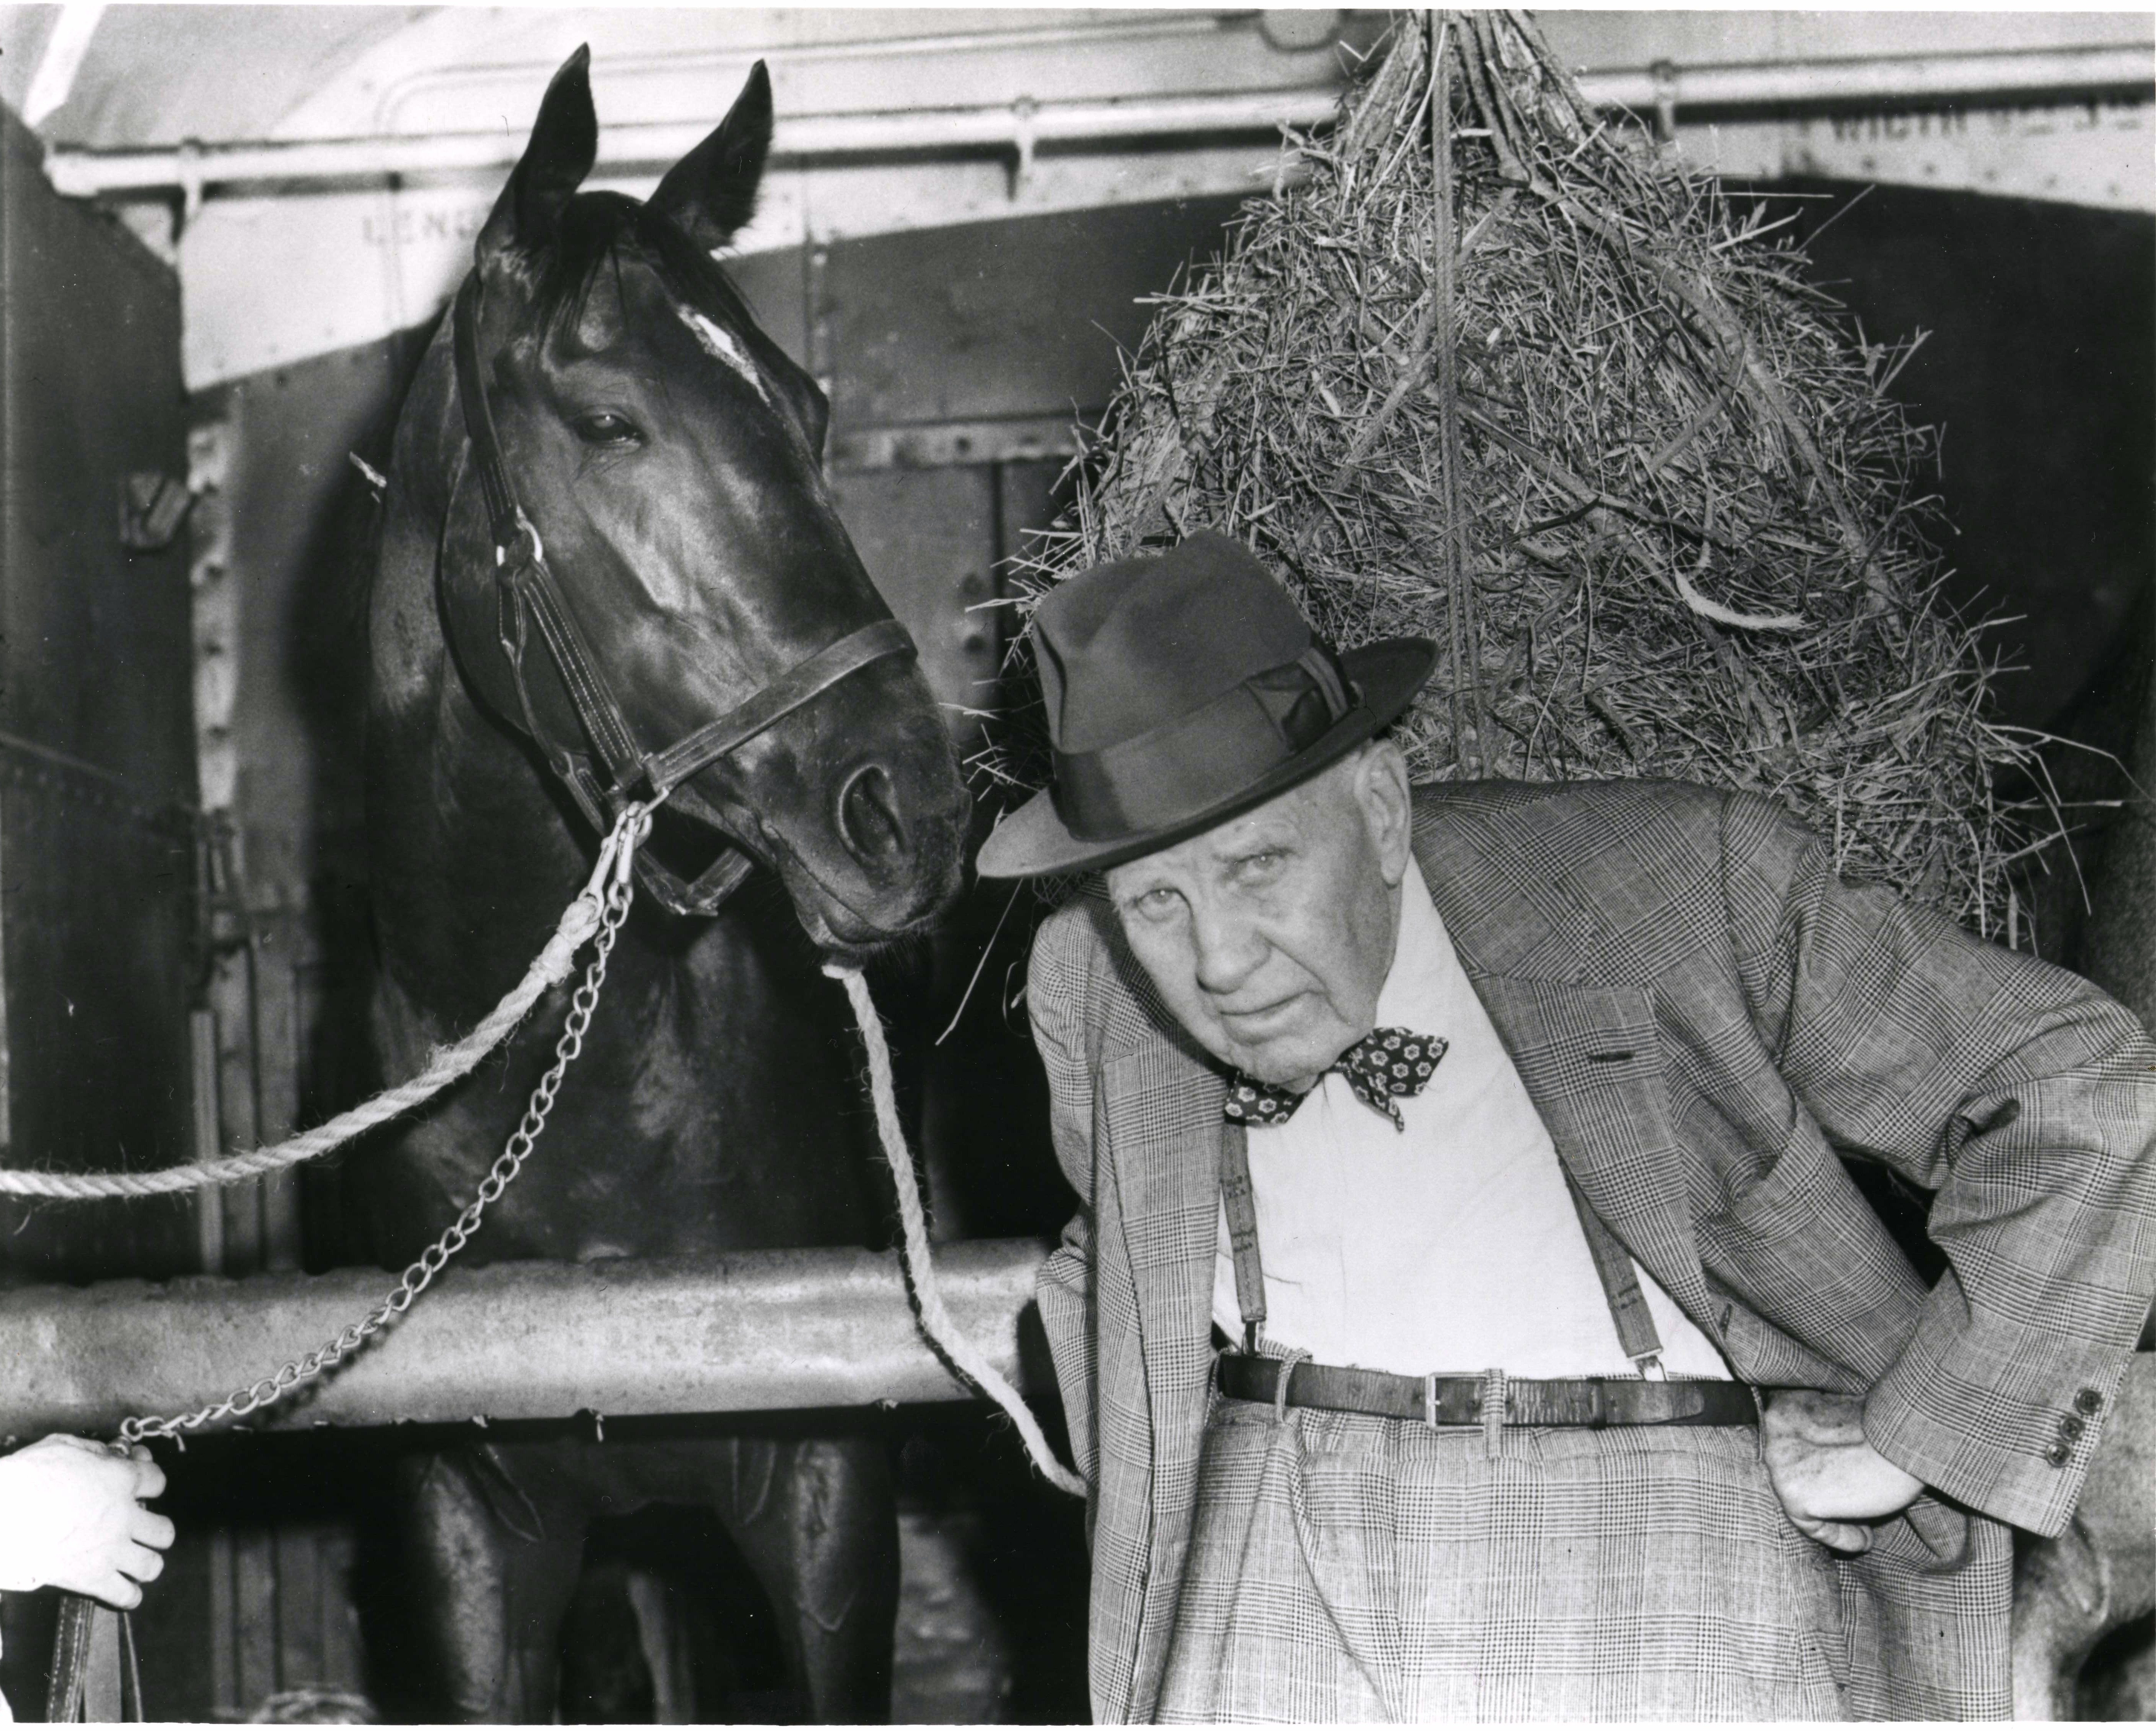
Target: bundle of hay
x,y
1547,397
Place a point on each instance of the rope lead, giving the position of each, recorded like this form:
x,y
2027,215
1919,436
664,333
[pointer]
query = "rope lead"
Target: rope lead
x,y
920,1268
580,922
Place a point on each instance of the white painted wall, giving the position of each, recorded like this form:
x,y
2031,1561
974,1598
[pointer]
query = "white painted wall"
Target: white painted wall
x,y
352,264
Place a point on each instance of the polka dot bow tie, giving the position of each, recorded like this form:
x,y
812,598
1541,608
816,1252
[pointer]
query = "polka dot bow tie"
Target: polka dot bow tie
x,y
1385,1065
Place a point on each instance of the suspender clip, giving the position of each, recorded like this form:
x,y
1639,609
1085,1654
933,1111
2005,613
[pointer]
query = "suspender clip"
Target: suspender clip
x,y
1650,1366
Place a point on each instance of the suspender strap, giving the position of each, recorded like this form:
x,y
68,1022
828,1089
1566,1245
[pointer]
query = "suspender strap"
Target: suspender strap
x,y
1620,1284
1241,1204
1636,1333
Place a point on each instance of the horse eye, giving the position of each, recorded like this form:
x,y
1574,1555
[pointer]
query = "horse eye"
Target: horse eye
x,y
604,427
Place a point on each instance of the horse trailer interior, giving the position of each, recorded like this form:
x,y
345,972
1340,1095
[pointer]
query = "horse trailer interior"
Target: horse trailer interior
x,y
228,235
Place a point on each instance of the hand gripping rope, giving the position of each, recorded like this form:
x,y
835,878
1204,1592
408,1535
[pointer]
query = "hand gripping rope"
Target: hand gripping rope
x,y
595,916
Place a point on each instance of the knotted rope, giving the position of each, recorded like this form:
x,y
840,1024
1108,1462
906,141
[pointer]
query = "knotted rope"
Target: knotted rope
x,y
920,1268
615,885
597,912
580,923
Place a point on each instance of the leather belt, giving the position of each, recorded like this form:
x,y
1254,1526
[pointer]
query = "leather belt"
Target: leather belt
x,y
1589,1402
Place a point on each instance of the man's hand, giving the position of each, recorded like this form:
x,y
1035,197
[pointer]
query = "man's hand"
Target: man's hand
x,y
70,1517
1828,1476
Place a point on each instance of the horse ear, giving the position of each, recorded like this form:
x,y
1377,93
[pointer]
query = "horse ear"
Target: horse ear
x,y
564,143
710,192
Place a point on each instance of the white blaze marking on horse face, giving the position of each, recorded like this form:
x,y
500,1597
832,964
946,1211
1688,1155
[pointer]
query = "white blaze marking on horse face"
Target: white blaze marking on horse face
x,y
721,344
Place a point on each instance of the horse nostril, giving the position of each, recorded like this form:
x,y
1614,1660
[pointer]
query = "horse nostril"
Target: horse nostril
x,y
869,822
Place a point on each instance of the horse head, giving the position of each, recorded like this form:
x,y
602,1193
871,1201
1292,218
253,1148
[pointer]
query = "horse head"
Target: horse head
x,y
642,570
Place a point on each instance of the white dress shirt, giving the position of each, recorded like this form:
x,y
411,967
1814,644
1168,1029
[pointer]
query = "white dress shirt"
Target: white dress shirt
x,y
1453,1248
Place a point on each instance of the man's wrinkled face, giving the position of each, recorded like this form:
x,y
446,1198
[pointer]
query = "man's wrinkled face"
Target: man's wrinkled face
x,y
1269,937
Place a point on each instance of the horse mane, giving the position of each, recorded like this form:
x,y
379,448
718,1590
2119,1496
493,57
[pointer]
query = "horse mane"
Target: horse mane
x,y
595,229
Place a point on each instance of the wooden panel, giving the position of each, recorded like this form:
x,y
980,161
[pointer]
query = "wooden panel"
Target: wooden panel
x,y
994,320
928,538
2040,367
97,868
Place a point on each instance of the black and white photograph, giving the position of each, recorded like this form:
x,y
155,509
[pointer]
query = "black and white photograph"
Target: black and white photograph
x,y
889,865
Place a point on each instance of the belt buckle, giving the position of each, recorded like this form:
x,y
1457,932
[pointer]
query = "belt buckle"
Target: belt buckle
x,y
1429,1400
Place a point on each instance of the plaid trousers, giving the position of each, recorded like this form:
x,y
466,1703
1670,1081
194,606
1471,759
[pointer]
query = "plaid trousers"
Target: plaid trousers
x,y
1705,1018
1350,1568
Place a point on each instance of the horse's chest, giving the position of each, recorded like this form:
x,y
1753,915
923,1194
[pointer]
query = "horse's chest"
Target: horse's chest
x,y
712,1109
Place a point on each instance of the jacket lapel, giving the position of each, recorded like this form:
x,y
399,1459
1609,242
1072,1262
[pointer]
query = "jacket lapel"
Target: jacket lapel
x,y
1163,1108
1163,1113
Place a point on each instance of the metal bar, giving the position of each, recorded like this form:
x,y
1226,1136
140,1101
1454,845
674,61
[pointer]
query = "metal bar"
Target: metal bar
x,y
80,173
2059,75
941,444
757,1331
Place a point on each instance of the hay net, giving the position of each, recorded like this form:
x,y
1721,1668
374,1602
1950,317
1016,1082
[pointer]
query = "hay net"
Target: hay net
x,y
1548,399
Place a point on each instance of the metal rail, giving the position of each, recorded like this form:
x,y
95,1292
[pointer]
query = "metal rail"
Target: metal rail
x,y
2049,75
1017,126
755,1330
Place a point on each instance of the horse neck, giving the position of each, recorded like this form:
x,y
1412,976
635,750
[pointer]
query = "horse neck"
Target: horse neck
x,y
471,857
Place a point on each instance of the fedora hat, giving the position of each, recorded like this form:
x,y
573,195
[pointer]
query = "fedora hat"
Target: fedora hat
x,y
1182,690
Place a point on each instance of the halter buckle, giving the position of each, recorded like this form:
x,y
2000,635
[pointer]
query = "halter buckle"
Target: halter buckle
x,y
535,550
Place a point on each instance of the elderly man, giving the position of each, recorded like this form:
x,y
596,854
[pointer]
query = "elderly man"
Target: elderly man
x,y
1467,1314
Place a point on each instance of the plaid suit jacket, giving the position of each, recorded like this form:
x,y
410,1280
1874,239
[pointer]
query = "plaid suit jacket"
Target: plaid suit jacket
x,y
1704,1015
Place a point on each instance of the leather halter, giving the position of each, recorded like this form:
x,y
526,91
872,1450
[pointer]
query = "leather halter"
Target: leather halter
x,y
622,773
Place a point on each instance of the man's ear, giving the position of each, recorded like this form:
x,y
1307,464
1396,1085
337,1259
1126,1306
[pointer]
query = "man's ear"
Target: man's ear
x,y
1381,790
564,143
712,192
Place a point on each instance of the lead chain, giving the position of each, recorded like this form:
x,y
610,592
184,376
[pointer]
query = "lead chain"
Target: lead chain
x,y
420,1275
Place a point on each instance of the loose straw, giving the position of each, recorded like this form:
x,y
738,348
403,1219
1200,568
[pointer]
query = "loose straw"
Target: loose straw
x,y
1647,485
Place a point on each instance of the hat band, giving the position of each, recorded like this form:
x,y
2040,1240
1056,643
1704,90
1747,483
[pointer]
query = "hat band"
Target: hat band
x,y
1195,761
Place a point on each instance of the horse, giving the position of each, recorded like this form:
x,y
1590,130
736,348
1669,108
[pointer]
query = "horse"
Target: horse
x,y
606,525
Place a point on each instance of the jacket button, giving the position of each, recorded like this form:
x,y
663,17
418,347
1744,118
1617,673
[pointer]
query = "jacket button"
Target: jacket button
x,y
2058,1454
2069,1427
2088,1401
